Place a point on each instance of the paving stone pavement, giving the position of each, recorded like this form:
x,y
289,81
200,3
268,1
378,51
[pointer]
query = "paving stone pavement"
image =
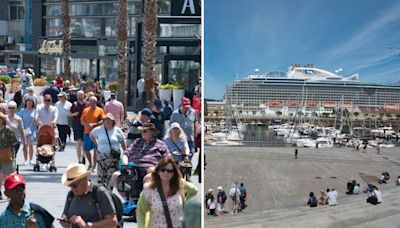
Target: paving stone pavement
x,y
45,188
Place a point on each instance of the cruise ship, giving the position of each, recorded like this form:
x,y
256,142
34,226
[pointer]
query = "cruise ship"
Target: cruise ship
x,y
307,88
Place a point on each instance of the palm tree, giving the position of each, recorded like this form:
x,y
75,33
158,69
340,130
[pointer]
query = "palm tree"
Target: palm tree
x,y
122,22
66,38
149,44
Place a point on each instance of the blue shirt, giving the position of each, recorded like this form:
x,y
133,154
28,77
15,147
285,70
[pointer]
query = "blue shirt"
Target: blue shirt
x,y
8,218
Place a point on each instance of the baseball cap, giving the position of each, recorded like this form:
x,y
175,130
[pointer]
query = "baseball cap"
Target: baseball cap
x,y
158,103
185,102
175,125
220,188
113,93
62,94
13,181
147,112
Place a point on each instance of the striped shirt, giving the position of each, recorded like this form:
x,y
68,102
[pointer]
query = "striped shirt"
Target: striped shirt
x,y
147,154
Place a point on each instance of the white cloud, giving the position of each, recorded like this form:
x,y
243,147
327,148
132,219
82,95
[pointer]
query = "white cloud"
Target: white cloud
x,y
369,32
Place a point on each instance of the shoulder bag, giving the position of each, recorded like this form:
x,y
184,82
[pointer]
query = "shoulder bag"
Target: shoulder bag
x,y
165,205
116,154
6,155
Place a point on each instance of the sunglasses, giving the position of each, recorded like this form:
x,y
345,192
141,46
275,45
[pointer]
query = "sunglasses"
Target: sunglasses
x,y
163,170
11,107
47,100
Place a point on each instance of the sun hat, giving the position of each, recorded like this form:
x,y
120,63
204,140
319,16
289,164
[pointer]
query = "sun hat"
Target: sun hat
x,y
175,125
220,188
74,173
147,126
210,190
109,116
13,181
185,102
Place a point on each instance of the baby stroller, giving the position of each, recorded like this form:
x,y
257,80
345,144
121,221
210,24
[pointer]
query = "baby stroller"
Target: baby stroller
x,y
128,183
45,148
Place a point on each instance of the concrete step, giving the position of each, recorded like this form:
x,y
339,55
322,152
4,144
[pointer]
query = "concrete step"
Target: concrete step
x,y
350,211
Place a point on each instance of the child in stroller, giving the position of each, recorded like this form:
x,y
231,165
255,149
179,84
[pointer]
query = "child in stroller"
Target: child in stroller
x,y
45,148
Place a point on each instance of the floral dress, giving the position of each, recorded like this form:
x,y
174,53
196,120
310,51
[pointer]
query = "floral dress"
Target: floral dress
x,y
157,216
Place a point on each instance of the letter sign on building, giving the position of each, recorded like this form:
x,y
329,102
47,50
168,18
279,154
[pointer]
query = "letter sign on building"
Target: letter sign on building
x,y
185,8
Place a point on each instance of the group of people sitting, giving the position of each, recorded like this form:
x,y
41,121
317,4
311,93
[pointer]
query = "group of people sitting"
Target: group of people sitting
x,y
326,198
330,196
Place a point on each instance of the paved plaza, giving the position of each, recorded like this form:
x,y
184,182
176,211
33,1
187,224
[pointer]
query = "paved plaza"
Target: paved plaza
x,y
45,188
276,182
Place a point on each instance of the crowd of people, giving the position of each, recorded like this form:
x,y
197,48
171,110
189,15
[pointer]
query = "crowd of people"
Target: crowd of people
x,y
105,139
216,205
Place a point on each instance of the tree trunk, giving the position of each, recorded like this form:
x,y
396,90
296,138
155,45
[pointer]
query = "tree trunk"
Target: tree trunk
x,y
66,38
122,44
149,45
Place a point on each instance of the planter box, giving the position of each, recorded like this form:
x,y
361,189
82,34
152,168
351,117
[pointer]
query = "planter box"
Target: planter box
x,y
178,94
165,94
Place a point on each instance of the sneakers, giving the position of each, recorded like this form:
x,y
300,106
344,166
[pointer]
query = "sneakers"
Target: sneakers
x,y
32,162
89,168
26,162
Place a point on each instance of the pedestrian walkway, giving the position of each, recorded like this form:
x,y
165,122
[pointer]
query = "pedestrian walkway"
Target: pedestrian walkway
x,y
45,187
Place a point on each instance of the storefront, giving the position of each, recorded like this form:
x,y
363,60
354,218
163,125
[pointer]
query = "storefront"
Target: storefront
x,y
94,42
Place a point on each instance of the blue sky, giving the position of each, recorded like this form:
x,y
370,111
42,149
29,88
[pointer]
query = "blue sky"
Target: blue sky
x,y
242,35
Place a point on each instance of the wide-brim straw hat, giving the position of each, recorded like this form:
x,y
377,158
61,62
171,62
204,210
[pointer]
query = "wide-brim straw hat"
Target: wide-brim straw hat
x,y
148,126
74,173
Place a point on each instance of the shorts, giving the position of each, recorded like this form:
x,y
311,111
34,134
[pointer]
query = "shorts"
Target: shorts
x,y
78,131
88,145
7,167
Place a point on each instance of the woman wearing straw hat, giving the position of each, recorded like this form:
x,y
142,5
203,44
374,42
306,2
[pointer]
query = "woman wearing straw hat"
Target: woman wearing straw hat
x,y
79,210
165,182
108,138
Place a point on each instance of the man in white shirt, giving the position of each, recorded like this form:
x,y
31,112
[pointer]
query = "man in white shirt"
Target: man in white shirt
x,y
47,114
63,106
332,197
234,194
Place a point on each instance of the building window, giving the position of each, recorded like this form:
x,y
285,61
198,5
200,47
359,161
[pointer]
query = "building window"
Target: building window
x,y
16,10
179,30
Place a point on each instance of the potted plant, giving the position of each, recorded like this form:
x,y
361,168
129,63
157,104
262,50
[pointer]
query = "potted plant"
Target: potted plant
x,y
39,84
178,92
113,86
166,91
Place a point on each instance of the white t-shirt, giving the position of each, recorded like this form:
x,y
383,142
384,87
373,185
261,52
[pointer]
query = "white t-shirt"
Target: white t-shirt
x,y
63,110
332,198
233,191
115,136
378,195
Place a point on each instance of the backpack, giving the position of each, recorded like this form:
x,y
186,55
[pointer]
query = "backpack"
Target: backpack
x,y
47,217
117,203
223,197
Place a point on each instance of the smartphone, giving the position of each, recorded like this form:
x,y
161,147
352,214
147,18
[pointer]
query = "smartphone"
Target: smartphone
x,y
63,220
